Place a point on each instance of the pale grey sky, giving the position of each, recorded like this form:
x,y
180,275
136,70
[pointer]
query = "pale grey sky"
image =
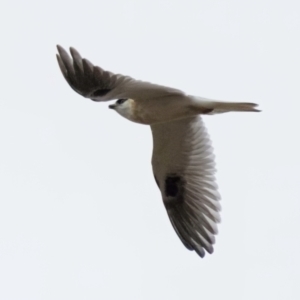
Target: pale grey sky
x,y
80,214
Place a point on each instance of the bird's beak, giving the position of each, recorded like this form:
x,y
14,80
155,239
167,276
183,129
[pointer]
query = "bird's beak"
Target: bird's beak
x,y
112,106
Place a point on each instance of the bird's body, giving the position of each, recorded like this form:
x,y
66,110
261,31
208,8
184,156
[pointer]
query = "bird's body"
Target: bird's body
x,y
172,108
182,160
155,111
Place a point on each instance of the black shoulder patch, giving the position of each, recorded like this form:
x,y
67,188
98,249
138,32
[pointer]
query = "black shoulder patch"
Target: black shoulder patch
x,y
174,189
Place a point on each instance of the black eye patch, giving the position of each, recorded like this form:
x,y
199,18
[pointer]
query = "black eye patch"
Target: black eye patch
x,y
120,101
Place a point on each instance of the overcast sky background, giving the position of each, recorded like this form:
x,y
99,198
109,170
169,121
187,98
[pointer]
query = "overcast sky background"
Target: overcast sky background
x,y
80,214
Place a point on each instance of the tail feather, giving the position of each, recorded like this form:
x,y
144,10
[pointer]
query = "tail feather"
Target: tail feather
x,y
219,107
207,106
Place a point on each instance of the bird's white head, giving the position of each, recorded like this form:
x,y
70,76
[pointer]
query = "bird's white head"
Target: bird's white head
x,y
124,107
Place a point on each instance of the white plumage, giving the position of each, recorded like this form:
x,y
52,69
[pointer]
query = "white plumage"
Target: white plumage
x,y
182,160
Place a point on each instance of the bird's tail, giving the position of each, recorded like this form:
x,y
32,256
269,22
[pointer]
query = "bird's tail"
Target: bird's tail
x,y
214,107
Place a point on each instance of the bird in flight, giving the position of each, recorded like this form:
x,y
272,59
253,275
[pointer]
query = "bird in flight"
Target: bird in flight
x,y
182,160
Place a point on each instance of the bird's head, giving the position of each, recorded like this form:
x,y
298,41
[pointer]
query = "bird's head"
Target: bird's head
x,y
123,107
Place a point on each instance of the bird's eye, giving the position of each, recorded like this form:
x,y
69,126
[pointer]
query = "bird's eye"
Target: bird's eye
x,y
120,101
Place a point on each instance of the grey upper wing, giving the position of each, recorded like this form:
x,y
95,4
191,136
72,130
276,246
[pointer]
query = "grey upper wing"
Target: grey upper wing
x,y
183,166
99,85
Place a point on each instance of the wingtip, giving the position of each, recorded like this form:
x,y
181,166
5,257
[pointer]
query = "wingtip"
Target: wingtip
x,y
200,251
72,49
59,48
75,54
62,66
62,52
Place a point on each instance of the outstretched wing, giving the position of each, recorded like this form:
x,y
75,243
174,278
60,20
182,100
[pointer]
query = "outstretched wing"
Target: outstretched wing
x,y
99,85
183,166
